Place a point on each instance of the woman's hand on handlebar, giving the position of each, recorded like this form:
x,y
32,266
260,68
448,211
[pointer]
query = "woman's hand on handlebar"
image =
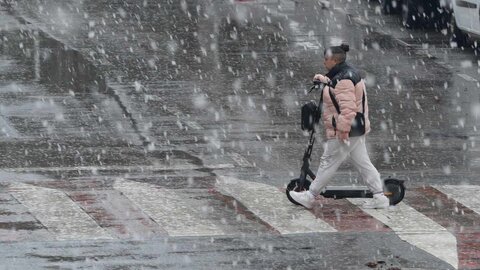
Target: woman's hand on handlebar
x,y
322,78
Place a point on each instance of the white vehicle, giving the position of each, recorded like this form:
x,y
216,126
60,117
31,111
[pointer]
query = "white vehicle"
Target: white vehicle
x,y
466,21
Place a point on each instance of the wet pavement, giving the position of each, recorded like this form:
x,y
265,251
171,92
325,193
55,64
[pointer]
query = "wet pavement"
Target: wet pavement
x,y
203,71
119,120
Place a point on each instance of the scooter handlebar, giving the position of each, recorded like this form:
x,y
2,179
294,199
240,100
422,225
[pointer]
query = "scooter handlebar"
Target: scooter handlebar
x,y
317,85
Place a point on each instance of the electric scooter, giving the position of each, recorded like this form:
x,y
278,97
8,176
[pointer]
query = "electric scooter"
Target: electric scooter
x,y
394,189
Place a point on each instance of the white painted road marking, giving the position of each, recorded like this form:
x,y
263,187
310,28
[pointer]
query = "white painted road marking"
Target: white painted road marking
x,y
464,194
418,230
405,44
58,213
467,77
177,214
272,206
194,125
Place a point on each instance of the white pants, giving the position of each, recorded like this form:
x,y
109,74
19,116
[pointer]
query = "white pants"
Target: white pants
x,y
335,153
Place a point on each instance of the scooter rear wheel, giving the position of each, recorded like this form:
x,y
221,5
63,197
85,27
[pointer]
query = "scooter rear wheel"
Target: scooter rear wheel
x,y
394,190
295,186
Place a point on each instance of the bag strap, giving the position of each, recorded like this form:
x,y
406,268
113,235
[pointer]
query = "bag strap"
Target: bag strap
x,y
363,101
321,98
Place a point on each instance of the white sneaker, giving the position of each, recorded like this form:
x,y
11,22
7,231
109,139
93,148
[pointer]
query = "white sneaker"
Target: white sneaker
x,y
304,198
379,201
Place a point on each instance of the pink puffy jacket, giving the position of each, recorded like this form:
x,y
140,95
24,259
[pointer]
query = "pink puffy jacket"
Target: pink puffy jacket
x,y
349,99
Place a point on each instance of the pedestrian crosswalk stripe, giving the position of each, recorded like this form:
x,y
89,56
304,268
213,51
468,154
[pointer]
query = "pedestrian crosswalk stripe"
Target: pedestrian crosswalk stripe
x,y
271,205
464,194
117,214
58,213
177,214
418,230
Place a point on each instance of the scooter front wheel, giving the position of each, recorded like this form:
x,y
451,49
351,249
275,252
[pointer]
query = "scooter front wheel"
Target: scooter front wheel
x,y
295,186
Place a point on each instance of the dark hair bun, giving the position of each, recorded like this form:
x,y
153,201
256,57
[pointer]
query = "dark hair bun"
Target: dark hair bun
x,y
345,47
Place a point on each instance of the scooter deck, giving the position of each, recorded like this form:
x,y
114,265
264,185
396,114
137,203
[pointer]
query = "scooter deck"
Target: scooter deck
x,y
340,192
394,190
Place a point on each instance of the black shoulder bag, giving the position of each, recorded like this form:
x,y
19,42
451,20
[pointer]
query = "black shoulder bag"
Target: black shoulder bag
x,y
311,114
